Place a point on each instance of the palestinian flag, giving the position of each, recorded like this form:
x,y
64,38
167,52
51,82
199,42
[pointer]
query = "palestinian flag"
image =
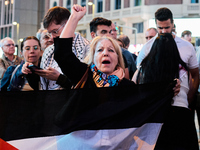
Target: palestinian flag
x,y
124,118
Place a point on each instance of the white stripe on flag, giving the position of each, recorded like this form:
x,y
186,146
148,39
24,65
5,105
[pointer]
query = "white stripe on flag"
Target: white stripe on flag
x,y
142,138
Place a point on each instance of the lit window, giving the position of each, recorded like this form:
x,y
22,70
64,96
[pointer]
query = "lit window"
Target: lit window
x,y
138,2
99,5
6,31
139,27
117,4
6,18
2,33
10,32
83,3
68,5
194,1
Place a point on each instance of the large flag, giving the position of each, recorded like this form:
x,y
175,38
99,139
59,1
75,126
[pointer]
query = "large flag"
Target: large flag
x,y
128,117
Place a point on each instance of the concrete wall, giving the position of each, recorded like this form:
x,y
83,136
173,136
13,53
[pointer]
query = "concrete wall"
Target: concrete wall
x,y
156,2
29,14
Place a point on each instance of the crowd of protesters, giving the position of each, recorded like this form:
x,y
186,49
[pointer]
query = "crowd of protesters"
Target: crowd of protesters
x,y
105,61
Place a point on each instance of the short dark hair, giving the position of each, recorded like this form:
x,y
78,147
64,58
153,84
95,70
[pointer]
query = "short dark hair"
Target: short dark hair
x,y
98,21
57,15
120,40
29,38
186,32
125,39
163,14
174,28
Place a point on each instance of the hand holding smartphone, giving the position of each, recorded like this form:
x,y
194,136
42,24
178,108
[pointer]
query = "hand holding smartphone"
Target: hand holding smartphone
x,y
33,67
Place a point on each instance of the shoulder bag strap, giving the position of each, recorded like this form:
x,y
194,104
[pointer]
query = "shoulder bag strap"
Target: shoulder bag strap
x,y
83,80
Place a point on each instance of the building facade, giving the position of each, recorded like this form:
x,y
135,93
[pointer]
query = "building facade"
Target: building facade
x,y
20,18
127,14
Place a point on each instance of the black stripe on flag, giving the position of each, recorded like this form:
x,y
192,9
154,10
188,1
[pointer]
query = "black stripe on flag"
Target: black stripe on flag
x,y
49,113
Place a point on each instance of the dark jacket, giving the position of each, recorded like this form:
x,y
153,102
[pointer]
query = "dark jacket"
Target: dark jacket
x,y
17,81
130,62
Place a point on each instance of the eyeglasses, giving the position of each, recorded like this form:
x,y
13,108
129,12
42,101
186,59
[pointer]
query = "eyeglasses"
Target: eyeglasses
x,y
29,47
54,33
10,45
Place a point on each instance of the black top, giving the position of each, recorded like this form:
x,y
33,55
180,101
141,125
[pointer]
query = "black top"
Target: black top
x,y
71,66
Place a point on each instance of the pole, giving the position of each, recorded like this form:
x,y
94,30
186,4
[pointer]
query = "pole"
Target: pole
x,y
131,29
18,35
93,10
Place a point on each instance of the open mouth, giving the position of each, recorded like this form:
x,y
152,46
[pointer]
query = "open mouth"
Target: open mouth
x,y
106,62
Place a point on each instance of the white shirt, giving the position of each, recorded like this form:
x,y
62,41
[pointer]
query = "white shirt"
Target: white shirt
x,y
187,54
186,50
198,59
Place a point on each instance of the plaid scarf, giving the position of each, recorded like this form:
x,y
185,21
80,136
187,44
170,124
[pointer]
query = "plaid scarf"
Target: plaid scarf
x,y
78,48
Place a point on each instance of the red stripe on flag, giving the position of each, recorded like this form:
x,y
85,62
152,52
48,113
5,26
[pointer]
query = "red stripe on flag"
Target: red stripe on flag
x,y
6,146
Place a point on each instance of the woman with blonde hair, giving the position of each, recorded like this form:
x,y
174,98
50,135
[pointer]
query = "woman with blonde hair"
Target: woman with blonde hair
x,y
103,67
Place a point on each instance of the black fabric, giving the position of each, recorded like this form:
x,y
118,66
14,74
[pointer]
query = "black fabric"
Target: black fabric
x,y
130,62
64,82
33,80
67,61
48,113
125,62
178,131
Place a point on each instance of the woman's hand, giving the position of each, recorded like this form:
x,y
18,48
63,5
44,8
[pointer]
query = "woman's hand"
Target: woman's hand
x,y
25,70
49,73
78,11
177,87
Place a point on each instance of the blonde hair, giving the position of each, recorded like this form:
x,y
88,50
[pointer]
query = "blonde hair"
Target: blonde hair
x,y
90,57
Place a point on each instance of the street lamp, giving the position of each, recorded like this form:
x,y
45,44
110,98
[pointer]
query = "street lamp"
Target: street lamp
x,y
93,7
6,2
21,40
17,24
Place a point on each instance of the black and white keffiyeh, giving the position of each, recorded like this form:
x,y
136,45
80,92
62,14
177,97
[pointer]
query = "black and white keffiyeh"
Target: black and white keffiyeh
x,y
78,48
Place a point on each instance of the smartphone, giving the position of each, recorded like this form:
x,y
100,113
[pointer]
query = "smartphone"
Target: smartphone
x,y
33,67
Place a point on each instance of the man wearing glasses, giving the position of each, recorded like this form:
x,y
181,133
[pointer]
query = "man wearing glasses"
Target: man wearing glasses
x,y
54,21
8,58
